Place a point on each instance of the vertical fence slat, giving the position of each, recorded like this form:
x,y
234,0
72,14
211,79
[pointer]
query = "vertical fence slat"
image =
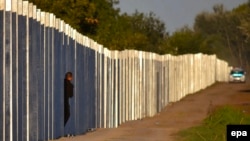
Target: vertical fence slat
x,y
2,36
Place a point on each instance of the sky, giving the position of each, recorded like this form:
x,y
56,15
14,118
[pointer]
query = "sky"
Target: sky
x,y
175,13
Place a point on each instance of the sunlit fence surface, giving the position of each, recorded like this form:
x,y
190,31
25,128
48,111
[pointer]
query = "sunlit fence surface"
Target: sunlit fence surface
x,y
111,87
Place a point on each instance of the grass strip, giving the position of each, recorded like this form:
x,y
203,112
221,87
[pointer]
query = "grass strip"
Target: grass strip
x,y
213,127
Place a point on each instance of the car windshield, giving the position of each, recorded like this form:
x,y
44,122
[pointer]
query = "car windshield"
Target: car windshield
x,y
237,72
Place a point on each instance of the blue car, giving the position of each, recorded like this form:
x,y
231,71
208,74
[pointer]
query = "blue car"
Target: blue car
x,y
237,75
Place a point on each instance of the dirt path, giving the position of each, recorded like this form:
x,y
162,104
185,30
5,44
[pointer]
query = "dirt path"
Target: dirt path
x,y
188,112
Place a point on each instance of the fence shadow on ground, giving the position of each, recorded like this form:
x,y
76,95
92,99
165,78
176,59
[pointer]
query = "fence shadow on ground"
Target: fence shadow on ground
x,y
245,91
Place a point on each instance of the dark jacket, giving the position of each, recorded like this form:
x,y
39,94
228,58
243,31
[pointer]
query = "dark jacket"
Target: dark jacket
x,y
68,90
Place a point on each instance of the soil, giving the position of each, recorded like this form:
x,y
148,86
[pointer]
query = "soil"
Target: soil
x,y
188,112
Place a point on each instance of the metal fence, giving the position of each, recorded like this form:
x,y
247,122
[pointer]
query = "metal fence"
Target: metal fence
x,y
111,87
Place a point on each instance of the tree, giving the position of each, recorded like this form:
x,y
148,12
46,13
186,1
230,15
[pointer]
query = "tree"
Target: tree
x,y
230,28
80,14
186,41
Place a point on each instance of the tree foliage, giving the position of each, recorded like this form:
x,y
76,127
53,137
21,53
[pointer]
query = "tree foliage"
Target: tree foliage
x,y
186,41
231,29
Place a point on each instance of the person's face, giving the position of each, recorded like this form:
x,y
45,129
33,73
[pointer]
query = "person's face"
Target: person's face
x,y
70,78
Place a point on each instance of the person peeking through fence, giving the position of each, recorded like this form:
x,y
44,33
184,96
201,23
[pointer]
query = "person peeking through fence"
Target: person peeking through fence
x,y
68,93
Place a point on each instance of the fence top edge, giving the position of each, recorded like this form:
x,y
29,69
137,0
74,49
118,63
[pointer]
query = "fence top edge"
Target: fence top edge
x,y
14,5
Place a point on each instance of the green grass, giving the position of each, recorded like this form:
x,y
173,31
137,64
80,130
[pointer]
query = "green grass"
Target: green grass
x,y
213,127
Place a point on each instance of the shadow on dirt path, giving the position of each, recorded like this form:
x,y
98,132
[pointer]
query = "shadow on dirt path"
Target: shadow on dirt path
x,y
245,91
